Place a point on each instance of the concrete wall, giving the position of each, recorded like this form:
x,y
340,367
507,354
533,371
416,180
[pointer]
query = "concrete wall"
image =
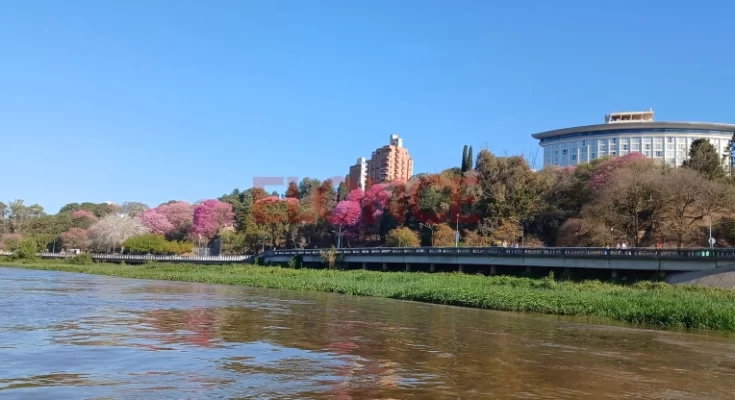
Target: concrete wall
x,y
588,262
720,277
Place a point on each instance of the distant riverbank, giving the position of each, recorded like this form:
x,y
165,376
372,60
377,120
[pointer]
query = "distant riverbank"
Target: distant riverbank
x,y
647,303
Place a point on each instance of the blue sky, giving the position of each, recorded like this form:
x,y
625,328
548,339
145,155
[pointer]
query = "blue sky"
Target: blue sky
x,y
153,100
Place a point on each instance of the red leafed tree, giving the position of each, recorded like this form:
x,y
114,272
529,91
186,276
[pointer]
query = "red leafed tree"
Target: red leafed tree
x,y
156,222
397,204
276,215
259,194
293,191
293,210
210,217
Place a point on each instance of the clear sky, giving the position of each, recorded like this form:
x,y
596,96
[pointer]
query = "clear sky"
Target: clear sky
x,y
149,100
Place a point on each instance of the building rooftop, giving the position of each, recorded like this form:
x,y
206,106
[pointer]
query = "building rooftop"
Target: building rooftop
x,y
629,116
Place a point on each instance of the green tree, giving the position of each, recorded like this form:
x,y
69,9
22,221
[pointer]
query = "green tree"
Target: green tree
x,y
342,190
27,250
146,243
307,186
510,189
703,158
21,216
402,237
232,243
470,161
464,158
728,159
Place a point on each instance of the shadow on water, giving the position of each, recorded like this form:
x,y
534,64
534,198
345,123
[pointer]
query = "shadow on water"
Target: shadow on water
x,y
71,336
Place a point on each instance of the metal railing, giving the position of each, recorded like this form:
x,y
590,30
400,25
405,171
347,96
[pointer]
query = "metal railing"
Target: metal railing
x,y
135,257
561,252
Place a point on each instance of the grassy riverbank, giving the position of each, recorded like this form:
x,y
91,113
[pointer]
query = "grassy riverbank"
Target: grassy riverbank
x,y
642,303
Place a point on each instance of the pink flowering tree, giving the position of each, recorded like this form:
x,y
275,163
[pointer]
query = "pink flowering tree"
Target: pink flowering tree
x,y
83,219
10,241
375,201
346,216
180,214
75,238
606,168
210,217
156,222
356,195
84,214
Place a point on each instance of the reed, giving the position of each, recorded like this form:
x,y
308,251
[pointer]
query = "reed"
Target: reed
x,y
649,303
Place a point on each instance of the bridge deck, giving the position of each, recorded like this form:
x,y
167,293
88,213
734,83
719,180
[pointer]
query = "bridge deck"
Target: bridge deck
x,y
578,258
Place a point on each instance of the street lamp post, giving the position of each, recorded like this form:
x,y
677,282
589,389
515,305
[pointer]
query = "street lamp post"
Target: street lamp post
x,y
339,238
612,236
456,236
432,232
710,240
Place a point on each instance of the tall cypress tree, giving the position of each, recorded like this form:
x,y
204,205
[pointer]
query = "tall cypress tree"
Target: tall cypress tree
x,y
703,158
464,159
470,161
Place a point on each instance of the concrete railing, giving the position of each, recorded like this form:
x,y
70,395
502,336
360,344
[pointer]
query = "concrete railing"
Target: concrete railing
x,y
139,258
561,252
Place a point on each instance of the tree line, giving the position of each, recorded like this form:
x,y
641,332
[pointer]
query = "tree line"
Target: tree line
x,y
490,200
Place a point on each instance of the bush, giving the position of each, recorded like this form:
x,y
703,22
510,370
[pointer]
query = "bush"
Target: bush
x,y
444,236
147,243
329,257
27,250
178,248
402,237
81,259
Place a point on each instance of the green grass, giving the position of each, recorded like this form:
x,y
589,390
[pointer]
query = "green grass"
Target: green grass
x,y
651,303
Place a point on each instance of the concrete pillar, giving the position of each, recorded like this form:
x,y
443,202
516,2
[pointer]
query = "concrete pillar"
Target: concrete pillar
x,y
461,268
614,273
385,266
408,267
364,265
432,268
493,270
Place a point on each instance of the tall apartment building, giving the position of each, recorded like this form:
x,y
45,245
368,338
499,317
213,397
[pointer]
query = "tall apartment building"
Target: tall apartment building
x,y
388,163
358,174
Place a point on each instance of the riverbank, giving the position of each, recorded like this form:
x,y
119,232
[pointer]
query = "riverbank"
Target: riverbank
x,y
650,303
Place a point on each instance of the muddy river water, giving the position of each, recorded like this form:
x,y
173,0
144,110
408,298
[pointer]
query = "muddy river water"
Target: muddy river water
x,y
73,336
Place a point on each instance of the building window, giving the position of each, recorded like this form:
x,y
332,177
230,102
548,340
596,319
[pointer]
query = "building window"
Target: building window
x,y
625,147
594,155
564,152
584,143
647,146
574,157
659,154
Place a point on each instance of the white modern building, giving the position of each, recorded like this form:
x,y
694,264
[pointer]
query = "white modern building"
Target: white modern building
x,y
630,132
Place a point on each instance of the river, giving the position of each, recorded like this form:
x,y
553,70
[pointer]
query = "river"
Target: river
x,y
74,336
